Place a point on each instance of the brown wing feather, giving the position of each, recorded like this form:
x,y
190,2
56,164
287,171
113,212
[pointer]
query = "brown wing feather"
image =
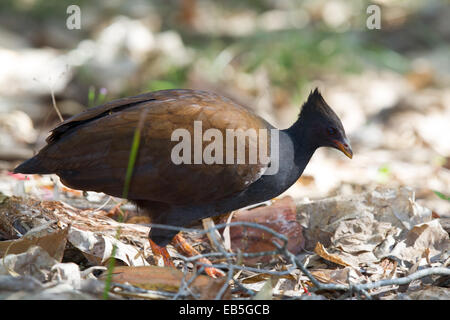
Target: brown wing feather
x,y
90,151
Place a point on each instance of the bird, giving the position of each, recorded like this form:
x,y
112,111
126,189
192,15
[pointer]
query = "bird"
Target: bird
x,y
91,150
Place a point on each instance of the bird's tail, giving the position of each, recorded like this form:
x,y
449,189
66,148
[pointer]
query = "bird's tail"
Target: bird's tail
x,y
32,166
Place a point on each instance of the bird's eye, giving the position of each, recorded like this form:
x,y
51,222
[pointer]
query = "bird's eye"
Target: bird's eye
x,y
332,131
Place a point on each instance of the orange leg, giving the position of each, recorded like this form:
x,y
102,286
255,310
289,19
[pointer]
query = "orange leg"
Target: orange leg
x,y
116,210
181,244
162,252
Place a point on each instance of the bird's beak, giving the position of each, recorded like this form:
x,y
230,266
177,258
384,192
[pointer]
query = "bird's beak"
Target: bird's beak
x,y
344,146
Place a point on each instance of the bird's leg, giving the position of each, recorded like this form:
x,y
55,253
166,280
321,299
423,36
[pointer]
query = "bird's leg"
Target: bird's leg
x,y
181,244
179,216
116,210
162,252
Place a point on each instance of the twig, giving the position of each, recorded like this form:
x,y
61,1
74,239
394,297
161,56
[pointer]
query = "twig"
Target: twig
x,y
54,104
185,285
352,288
405,280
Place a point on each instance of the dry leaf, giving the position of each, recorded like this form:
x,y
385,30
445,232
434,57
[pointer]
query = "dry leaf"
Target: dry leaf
x,y
388,210
52,241
98,248
91,231
35,262
337,276
322,252
166,279
226,233
208,223
431,293
280,216
364,228
266,291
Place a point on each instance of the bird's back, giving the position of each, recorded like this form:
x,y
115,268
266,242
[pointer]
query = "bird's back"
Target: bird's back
x,y
91,150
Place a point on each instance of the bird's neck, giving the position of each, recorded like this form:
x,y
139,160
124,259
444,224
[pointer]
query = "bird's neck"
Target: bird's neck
x,y
303,142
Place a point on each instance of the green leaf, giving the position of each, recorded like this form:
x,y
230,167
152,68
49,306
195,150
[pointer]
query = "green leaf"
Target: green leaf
x,y
129,174
131,161
91,96
441,195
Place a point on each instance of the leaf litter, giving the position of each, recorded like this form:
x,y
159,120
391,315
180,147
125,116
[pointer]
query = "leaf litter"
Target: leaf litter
x,y
360,238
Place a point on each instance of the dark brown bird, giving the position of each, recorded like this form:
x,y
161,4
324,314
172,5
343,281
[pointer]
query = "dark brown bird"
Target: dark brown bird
x,y
91,150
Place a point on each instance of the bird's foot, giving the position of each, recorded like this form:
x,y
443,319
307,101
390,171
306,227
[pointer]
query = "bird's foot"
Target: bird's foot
x,y
117,213
162,252
181,244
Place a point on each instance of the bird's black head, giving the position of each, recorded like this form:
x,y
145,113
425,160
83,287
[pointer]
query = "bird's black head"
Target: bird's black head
x,y
324,127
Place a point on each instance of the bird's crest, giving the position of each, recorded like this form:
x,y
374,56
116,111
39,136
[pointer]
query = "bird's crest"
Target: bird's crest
x,y
316,104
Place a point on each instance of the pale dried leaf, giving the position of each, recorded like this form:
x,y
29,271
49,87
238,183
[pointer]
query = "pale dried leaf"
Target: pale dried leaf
x,y
362,229
266,291
53,241
35,262
98,248
322,252
431,293
69,273
337,276
226,233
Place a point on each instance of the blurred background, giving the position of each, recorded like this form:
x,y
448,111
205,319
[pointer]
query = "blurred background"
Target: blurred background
x,y
390,86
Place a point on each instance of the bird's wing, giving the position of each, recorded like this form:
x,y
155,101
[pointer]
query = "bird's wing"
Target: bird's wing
x,y
91,150
104,109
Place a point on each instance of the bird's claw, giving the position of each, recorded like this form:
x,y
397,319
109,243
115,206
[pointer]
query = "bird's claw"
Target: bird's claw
x,y
190,251
214,272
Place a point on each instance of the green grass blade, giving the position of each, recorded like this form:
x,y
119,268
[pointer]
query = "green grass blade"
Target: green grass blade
x,y
101,97
91,96
129,174
441,195
131,162
111,265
